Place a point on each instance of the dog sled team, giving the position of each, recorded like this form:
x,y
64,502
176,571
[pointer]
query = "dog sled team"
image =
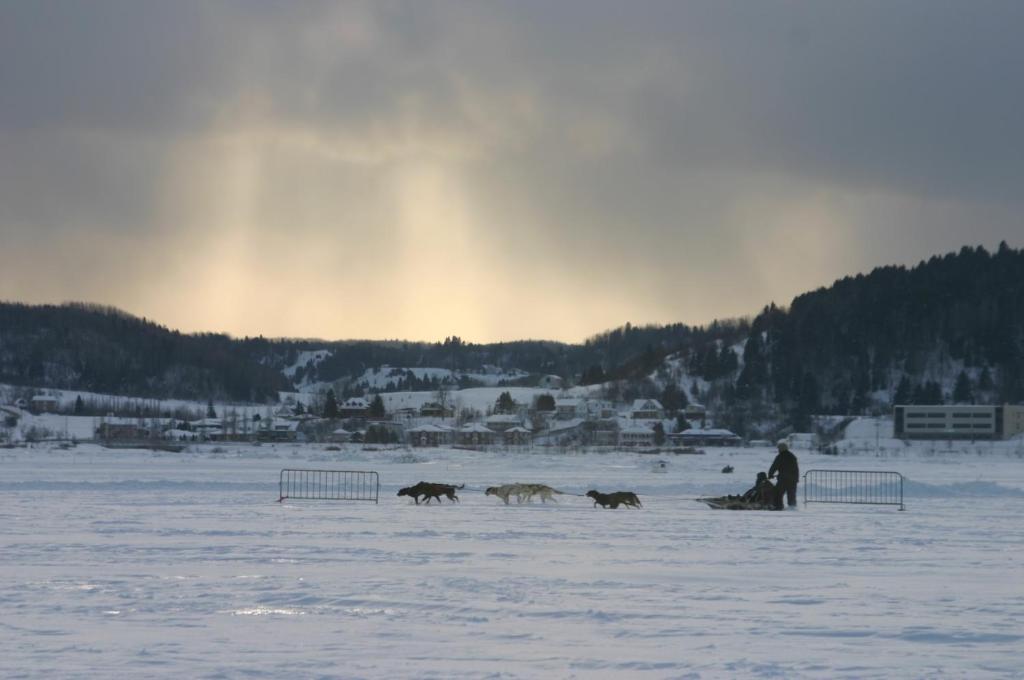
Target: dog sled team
x,y
523,493
765,495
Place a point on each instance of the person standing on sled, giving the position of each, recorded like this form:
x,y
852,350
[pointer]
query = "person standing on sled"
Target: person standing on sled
x,y
786,467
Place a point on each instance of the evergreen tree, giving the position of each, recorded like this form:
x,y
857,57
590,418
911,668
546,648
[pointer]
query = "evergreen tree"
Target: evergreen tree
x,y
808,402
671,399
727,361
210,412
545,402
962,392
330,405
593,375
659,434
930,394
79,405
709,365
904,393
682,424
505,403
376,409
985,382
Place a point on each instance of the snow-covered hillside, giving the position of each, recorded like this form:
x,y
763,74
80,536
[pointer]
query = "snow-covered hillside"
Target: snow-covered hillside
x,y
304,360
388,377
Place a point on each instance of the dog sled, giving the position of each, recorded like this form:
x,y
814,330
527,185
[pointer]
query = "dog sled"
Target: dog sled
x,y
735,503
760,497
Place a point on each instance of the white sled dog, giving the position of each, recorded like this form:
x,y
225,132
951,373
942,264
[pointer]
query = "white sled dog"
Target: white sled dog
x,y
503,492
524,492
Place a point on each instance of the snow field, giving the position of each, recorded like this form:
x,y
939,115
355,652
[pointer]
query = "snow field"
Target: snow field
x,y
137,564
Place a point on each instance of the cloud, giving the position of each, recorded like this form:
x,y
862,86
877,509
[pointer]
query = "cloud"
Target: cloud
x,y
496,170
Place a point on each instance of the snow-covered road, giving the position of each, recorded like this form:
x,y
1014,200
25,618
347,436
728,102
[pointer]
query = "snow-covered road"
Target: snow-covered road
x,y
137,564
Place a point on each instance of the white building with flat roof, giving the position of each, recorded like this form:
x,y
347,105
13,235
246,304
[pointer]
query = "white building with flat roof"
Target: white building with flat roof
x,y
958,421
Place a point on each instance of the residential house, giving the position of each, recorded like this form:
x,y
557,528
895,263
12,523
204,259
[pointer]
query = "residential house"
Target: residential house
x,y
708,437
695,414
499,422
598,409
122,429
405,415
208,428
568,409
433,409
562,433
278,430
430,435
341,436
475,434
603,432
516,436
646,409
42,403
636,435
550,382
354,407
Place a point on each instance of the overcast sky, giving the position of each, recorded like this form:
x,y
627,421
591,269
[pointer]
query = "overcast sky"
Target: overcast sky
x,y
495,170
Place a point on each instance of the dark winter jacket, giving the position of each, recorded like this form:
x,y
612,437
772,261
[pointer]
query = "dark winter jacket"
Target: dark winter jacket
x,y
763,491
785,464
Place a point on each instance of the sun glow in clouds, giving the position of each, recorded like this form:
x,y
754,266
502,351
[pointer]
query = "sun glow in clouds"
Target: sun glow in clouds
x,y
493,170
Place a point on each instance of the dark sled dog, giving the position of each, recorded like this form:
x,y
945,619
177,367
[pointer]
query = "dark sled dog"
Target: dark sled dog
x,y
430,490
613,500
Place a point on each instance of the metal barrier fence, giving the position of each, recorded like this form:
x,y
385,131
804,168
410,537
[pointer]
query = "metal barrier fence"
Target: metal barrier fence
x,y
330,485
862,487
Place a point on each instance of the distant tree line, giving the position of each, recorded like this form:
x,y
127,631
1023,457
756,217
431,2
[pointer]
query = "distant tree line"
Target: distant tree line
x,y
101,349
896,331
894,335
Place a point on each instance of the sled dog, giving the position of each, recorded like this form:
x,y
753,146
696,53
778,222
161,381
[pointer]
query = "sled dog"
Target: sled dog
x,y
430,490
613,500
523,492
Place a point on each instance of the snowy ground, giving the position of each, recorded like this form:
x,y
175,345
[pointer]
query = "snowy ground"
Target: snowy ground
x,y
139,564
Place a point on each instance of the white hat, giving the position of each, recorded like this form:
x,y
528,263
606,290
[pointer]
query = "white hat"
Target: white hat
x,y
783,446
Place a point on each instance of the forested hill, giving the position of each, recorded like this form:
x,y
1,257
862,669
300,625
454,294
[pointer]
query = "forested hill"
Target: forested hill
x,y
949,329
101,349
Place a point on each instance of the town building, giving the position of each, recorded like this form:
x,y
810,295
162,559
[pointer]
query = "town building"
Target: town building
x,y
695,414
122,430
278,430
430,435
42,403
516,436
341,436
958,421
433,409
636,435
706,437
646,409
475,434
567,409
603,432
499,422
355,407
550,382
598,409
